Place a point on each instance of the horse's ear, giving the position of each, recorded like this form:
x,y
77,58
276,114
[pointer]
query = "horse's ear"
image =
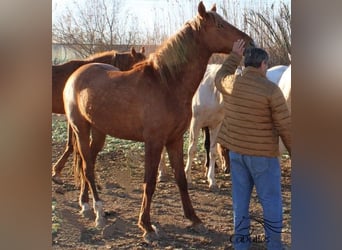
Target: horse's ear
x,y
142,50
133,52
213,8
201,10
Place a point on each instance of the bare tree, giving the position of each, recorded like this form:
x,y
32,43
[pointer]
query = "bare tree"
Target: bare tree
x,y
92,26
269,25
273,32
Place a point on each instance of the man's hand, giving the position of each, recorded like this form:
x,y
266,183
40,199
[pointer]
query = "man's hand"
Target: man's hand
x,y
239,47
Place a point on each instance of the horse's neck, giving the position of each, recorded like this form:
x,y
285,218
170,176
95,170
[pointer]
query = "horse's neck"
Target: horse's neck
x,y
74,64
192,75
103,59
190,66
121,61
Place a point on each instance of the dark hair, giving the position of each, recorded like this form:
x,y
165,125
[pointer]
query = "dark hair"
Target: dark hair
x,y
255,56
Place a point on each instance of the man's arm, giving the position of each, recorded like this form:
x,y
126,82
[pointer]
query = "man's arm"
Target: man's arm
x,y
230,64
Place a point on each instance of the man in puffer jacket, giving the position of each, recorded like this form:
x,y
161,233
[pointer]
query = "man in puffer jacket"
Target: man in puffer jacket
x,y
256,115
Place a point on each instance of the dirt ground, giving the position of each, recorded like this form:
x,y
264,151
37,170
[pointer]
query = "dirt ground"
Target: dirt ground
x,y
120,173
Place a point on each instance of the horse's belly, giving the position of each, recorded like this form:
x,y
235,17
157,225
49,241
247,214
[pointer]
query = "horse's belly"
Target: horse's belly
x,y
119,127
124,122
209,115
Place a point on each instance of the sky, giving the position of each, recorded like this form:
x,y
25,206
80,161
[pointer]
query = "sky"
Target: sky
x,y
147,11
144,10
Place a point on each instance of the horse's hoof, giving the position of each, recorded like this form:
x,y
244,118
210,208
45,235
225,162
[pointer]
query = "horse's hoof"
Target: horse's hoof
x,y
214,188
100,222
57,179
200,228
150,237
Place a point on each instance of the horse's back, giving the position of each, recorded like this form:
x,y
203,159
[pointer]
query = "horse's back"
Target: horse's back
x,y
274,73
115,102
207,103
207,94
86,78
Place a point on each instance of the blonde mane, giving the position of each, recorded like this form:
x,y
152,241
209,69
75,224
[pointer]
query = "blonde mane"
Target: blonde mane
x,y
170,57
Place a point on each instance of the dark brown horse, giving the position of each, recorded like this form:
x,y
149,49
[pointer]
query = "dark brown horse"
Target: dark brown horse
x,y
60,74
150,103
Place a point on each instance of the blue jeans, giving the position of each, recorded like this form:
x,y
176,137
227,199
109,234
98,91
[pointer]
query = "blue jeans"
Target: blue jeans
x,y
265,174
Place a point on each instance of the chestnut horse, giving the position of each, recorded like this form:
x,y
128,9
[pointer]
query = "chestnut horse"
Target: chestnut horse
x,y
150,103
61,73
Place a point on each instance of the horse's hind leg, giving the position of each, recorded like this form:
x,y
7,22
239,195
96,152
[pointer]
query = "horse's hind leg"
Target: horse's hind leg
x,y
96,143
58,167
175,151
223,154
206,146
153,151
88,177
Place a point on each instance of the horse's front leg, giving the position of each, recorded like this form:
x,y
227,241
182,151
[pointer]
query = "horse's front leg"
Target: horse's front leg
x,y
213,154
175,151
152,157
193,138
162,176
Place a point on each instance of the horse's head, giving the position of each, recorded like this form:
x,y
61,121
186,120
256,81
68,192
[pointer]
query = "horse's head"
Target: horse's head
x,y
217,34
138,56
125,61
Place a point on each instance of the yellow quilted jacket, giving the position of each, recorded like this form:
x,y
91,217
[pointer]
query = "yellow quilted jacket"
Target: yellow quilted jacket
x,y
255,111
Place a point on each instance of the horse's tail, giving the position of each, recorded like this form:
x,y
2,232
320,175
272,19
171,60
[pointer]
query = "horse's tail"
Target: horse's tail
x,y
78,171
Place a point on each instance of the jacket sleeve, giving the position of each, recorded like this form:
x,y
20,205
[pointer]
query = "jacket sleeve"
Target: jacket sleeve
x,y
228,68
281,117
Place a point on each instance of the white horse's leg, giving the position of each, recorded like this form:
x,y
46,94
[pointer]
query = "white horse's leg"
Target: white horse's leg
x,y
193,138
162,173
213,153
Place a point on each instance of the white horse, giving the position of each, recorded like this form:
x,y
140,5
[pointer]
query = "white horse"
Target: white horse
x,y
207,111
274,73
285,86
